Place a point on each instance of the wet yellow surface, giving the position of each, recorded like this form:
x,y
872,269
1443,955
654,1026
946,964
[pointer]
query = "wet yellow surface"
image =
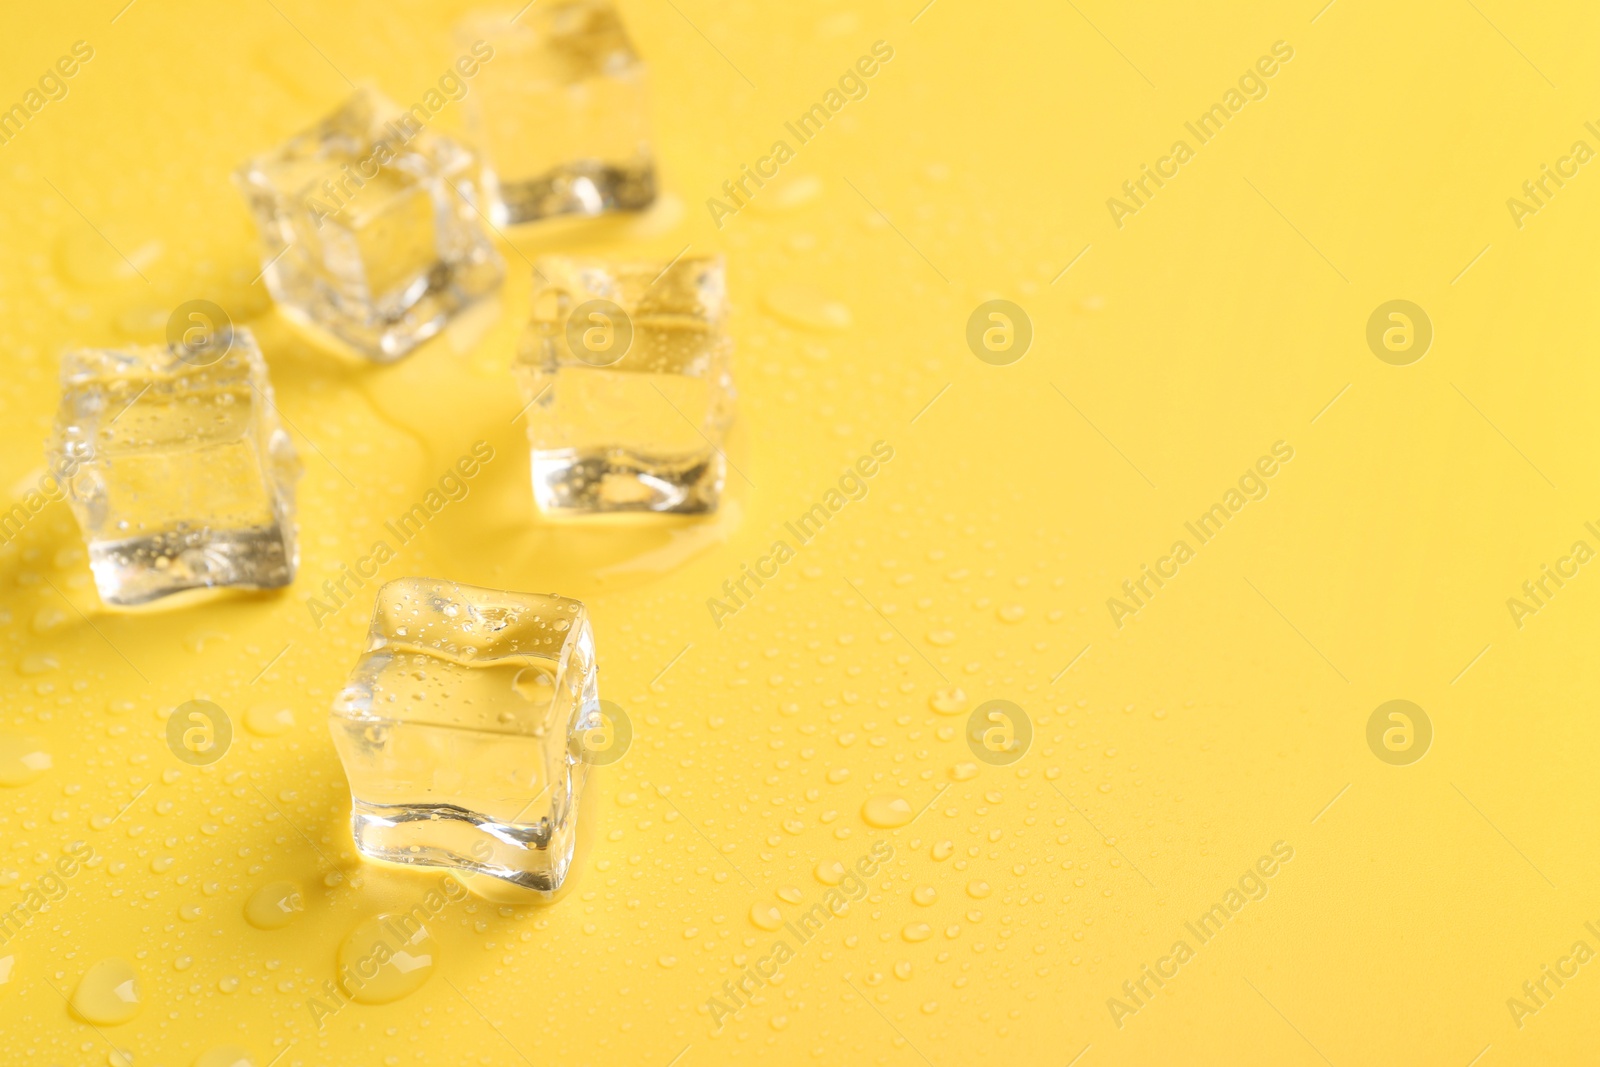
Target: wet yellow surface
x,y
1230,504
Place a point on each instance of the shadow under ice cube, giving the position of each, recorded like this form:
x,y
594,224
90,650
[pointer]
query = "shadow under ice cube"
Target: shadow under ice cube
x,y
367,228
459,730
180,475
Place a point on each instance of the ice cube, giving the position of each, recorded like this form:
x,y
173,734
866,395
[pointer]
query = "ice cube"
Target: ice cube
x,y
180,475
368,229
459,730
626,371
559,113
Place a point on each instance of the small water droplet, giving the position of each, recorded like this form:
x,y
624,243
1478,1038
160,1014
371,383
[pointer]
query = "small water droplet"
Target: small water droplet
x,y
402,949
107,994
274,906
22,759
807,308
269,720
830,872
224,1056
886,812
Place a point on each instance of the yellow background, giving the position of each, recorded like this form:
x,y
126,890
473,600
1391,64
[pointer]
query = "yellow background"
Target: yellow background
x,y
1224,717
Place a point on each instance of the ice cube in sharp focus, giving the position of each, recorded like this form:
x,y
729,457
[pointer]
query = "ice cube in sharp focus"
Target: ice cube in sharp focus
x,y
626,368
367,231
180,475
559,113
458,730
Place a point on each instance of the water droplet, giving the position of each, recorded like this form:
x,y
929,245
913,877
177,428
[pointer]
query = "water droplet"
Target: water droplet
x,y
269,720
788,196
916,932
943,850
87,260
402,949
803,306
1011,612
830,872
978,889
224,1056
948,701
107,994
37,664
791,894
22,759
886,812
924,895
49,619
941,637
535,684
274,906
964,772
766,916
838,774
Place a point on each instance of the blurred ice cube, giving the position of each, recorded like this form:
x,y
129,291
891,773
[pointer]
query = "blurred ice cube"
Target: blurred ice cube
x,y
559,113
368,230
